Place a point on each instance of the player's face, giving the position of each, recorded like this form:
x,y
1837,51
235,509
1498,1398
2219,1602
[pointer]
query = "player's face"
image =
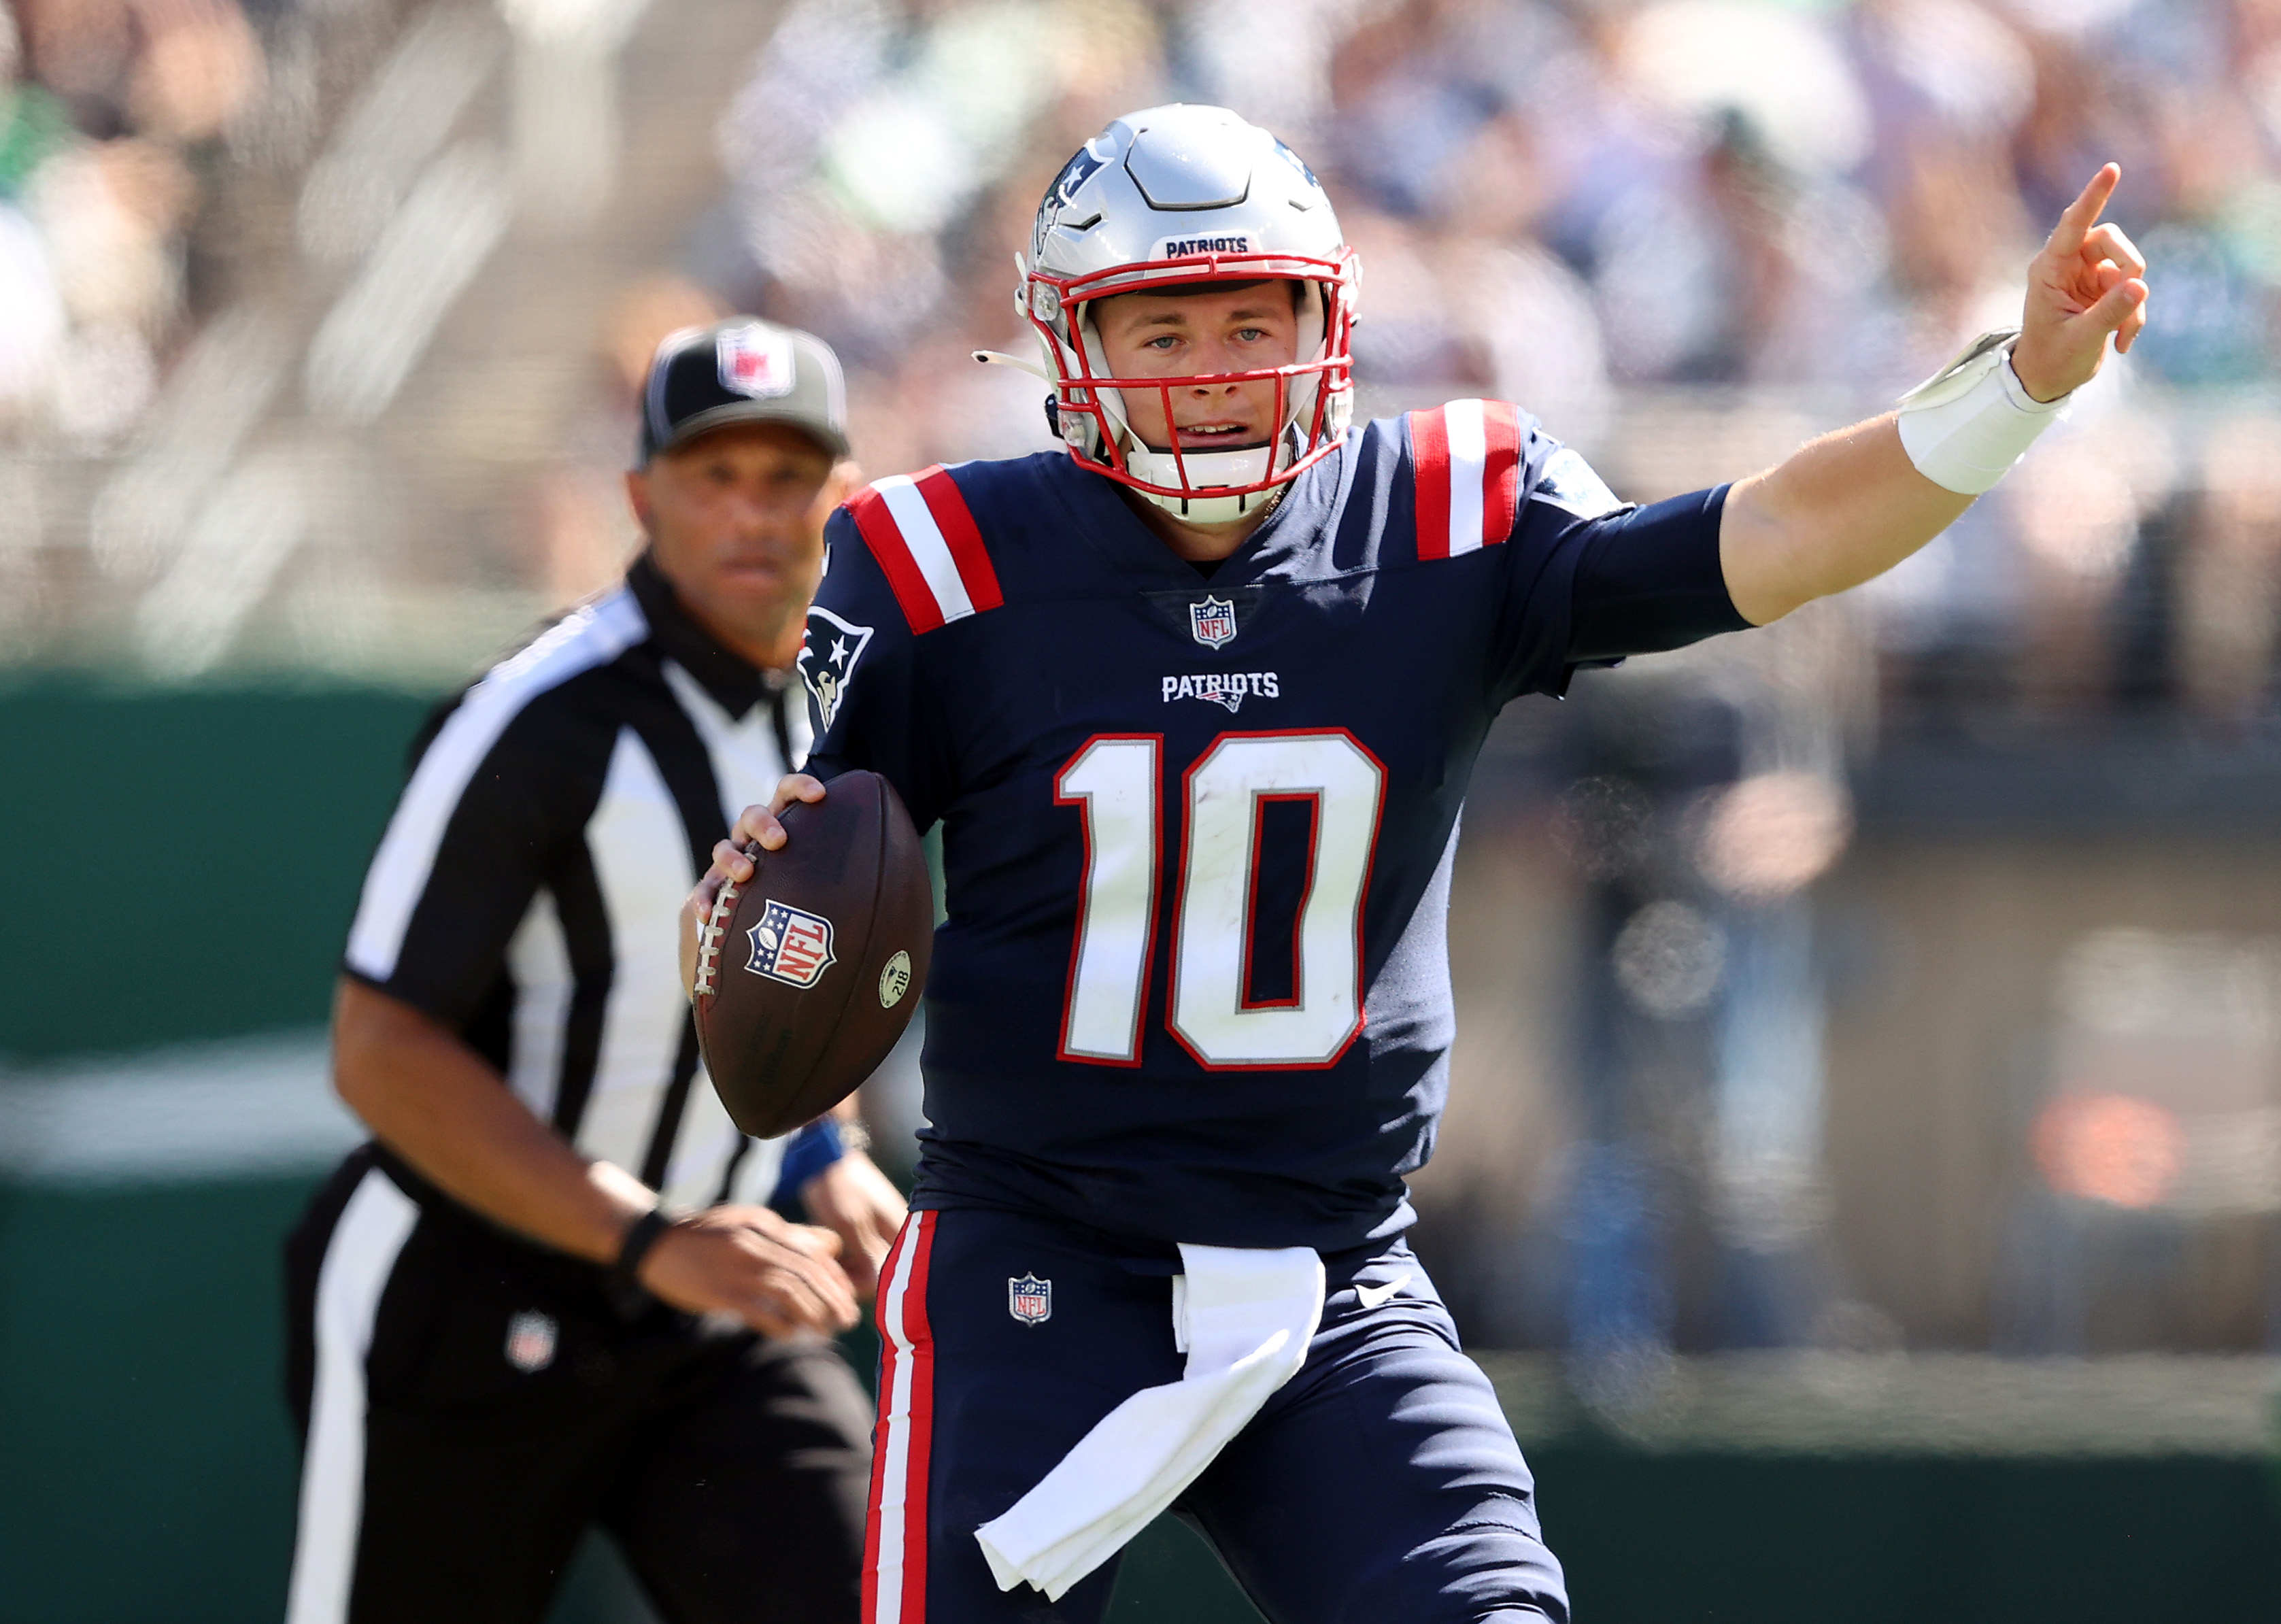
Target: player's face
x,y
735,518
1245,329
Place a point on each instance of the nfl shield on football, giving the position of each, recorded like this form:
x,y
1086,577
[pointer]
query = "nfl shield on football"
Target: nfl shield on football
x,y
800,972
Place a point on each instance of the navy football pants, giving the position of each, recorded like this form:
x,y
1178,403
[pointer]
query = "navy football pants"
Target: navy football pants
x,y
1381,1484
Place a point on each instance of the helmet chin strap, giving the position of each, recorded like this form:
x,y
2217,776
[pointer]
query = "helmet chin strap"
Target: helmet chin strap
x,y
1250,465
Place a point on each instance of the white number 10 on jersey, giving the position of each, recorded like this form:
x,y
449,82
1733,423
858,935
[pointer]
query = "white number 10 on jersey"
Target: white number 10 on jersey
x,y
1115,780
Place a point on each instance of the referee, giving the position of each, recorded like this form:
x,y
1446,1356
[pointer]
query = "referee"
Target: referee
x,y
552,1292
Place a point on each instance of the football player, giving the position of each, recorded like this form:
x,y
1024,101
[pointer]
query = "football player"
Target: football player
x,y
1195,702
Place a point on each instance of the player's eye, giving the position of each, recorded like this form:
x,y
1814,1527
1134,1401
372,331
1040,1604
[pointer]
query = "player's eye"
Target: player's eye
x,y
1250,335
1162,341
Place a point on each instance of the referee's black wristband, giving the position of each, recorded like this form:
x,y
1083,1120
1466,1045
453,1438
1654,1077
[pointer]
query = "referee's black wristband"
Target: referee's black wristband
x,y
623,1282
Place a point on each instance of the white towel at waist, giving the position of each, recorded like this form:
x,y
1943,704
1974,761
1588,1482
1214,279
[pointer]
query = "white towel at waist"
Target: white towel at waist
x,y
1244,1315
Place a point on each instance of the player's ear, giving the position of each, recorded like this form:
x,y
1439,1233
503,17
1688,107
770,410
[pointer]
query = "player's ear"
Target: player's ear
x,y
845,479
638,497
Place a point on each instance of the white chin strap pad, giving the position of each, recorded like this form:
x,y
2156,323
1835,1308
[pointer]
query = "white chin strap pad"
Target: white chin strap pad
x,y
1205,469
1967,425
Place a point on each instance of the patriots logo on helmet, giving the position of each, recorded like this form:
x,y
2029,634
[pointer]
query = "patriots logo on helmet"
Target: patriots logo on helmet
x,y
1212,621
790,945
1063,192
1298,163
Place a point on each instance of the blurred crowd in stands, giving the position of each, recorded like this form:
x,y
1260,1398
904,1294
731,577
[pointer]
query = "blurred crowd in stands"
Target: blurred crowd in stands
x,y
1584,206
109,110
1684,233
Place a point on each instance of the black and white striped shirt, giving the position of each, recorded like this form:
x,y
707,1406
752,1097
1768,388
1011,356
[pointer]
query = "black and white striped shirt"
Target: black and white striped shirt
x,y
528,889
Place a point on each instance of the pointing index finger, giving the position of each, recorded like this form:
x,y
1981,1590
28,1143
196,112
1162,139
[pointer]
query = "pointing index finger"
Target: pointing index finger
x,y
2078,219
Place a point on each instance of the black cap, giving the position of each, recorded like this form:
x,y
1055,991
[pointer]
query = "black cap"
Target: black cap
x,y
743,370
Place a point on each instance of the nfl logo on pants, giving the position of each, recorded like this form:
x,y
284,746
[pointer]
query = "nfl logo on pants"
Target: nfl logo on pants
x,y
1030,1299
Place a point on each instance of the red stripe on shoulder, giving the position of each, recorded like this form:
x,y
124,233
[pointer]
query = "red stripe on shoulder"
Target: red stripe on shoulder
x,y
880,533
948,504
1500,472
1429,462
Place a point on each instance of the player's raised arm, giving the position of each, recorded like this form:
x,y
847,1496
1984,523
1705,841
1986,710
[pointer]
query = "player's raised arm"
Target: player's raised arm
x,y
1852,505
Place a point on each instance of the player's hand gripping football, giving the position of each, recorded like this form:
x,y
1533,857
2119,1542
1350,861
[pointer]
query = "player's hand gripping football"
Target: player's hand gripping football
x,y
754,825
2086,284
781,1279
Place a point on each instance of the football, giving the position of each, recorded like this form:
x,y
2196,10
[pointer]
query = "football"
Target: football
x,y
807,973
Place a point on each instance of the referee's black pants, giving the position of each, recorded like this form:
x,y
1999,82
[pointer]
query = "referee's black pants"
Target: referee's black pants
x,y
472,1403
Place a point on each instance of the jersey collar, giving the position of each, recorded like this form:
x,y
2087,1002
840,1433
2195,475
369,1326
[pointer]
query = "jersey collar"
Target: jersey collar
x,y
1106,519
734,683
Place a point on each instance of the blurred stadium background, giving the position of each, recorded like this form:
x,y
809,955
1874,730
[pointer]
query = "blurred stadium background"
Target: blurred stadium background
x,y
1866,1142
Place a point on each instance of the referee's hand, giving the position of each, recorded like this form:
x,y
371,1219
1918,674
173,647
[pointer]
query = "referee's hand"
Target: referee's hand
x,y
779,1278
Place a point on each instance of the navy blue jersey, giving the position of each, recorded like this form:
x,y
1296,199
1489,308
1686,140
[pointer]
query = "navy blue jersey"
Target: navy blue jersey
x,y
1198,828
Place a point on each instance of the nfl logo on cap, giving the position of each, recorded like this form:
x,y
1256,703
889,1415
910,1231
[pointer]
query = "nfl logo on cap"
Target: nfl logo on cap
x,y
1030,1299
754,360
741,370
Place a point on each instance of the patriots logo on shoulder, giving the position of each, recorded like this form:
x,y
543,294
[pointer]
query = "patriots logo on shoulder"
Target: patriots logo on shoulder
x,y
1030,1299
1212,621
1569,483
754,361
790,945
827,660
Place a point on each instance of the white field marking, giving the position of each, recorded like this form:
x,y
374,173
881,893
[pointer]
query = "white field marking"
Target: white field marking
x,y
188,1113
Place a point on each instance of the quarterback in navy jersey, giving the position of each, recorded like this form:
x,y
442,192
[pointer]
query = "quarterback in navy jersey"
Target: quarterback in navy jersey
x,y
1195,703
1197,831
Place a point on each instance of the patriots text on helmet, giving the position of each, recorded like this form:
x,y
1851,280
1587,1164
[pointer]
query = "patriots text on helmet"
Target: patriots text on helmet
x,y
1188,247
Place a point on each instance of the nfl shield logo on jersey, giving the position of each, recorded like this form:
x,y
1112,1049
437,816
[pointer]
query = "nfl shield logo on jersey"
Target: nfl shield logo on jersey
x,y
1213,622
531,1341
790,945
754,360
1030,1299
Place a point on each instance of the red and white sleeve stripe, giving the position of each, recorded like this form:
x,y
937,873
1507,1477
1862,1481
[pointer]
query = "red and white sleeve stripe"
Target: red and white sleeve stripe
x,y
918,526
895,1540
1466,458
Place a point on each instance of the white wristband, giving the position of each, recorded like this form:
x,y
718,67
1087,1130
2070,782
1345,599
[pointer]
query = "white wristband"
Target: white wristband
x,y
1967,425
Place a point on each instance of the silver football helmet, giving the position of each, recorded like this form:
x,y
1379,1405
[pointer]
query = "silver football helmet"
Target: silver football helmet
x,y
1177,196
